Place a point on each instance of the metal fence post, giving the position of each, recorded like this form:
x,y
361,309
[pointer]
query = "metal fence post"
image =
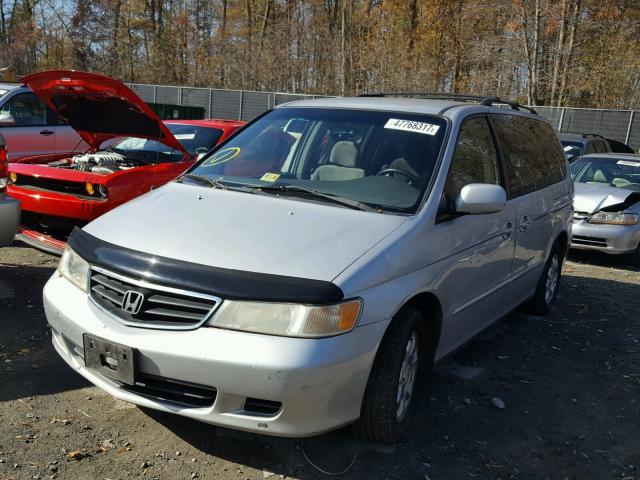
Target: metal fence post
x,y
561,119
155,94
240,109
626,140
180,96
210,103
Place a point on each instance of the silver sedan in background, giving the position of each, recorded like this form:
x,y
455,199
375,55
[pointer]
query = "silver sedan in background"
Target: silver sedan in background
x,y
607,204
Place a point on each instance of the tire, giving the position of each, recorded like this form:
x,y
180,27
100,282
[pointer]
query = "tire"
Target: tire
x,y
383,416
635,257
547,289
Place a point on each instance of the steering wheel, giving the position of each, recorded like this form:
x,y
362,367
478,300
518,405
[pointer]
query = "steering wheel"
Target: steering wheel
x,y
391,172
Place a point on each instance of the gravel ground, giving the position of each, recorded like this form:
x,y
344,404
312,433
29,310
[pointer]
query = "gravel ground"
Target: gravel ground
x,y
532,398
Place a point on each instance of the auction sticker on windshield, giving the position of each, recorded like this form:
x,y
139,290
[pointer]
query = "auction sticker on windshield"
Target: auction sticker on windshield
x,y
628,164
411,126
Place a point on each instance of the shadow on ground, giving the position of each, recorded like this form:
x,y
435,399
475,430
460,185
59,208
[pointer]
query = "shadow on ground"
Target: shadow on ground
x,y
566,382
28,363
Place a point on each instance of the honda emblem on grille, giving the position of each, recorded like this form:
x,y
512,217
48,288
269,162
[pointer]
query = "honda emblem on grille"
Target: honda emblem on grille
x,y
132,302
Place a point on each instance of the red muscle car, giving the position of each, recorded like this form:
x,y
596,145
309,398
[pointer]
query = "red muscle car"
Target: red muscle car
x,y
131,151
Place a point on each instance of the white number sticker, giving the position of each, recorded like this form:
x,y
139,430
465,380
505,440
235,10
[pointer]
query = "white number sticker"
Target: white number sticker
x,y
627,163
185,136
411,126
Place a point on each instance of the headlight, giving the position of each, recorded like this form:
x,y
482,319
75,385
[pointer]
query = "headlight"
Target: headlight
x,y
288,320
614,218
74,268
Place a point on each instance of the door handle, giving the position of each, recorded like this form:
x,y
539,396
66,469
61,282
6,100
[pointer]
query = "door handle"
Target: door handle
x,y
46,132
524,223
508,229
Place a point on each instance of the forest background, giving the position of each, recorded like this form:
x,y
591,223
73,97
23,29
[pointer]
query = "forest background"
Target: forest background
x,y
582,53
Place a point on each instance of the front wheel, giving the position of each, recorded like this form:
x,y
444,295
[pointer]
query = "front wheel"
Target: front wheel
x,y
542,300
390,392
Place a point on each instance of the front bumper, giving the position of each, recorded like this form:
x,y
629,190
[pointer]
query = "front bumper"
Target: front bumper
x,y
613,239
45,202
40,240
319,382
9,218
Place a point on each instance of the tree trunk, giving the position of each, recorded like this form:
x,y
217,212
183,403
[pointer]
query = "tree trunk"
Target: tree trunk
x,y
559,52
569,54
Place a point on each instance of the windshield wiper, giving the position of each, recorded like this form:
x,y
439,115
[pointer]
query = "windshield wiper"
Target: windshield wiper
x,y
346,202
215,183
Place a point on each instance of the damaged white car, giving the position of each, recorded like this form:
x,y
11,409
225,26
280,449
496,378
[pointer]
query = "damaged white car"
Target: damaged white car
x,y
607,204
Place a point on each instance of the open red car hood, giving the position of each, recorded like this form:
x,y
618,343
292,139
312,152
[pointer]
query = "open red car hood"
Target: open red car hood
x,y
99,107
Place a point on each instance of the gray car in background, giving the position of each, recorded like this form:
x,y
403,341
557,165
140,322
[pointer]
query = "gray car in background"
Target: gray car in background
x,y
607,204
307,272
9,208
30,128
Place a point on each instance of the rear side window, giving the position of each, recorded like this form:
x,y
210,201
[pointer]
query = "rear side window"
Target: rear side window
x,y
533,156
474,159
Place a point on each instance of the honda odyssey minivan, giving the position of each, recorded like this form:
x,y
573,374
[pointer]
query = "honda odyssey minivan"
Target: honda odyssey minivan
x,y
296,280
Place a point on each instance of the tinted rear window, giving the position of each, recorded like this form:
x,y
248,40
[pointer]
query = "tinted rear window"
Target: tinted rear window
x,y
533,156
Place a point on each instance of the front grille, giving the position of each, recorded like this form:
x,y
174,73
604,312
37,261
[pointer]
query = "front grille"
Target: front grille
x,y
589,241
51,185
175,391
52,225
160,307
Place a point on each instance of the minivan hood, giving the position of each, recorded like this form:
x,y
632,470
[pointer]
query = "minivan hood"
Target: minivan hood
x,y
243,231
593,198
99,108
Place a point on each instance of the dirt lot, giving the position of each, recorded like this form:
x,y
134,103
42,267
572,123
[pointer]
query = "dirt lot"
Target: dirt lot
x,y
570,384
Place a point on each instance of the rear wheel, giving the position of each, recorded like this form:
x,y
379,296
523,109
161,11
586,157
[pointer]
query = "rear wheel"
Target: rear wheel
x,y
542,300
635,257
391,390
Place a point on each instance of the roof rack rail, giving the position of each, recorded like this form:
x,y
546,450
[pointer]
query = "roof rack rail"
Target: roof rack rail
x,y
482,100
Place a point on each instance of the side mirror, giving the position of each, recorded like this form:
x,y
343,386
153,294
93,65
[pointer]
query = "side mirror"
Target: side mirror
x,y
481,198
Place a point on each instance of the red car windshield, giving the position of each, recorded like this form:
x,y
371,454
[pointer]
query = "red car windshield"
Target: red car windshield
x,y
194,138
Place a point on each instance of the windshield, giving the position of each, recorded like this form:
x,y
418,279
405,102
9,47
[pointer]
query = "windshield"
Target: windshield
x,y
195,139
608,172
381,159
572,150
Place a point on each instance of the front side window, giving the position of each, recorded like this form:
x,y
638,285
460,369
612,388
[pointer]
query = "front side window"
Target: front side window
x,y
384,160
23,110
474,159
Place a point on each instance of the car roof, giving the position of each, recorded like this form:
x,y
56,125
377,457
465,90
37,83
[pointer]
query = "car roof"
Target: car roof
x,y
399,104
10,85
212,123
579,136
612,156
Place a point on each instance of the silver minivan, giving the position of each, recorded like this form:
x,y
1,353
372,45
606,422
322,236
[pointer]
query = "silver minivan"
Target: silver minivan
x,y
296,280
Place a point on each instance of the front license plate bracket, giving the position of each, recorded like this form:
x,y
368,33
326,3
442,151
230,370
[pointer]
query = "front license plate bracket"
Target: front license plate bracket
x,y
110,359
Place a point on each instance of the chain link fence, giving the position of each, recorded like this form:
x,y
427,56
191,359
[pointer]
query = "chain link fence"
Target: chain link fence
x,y
620,125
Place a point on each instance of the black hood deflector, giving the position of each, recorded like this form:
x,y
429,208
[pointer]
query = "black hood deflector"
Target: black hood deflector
x,y
222,282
